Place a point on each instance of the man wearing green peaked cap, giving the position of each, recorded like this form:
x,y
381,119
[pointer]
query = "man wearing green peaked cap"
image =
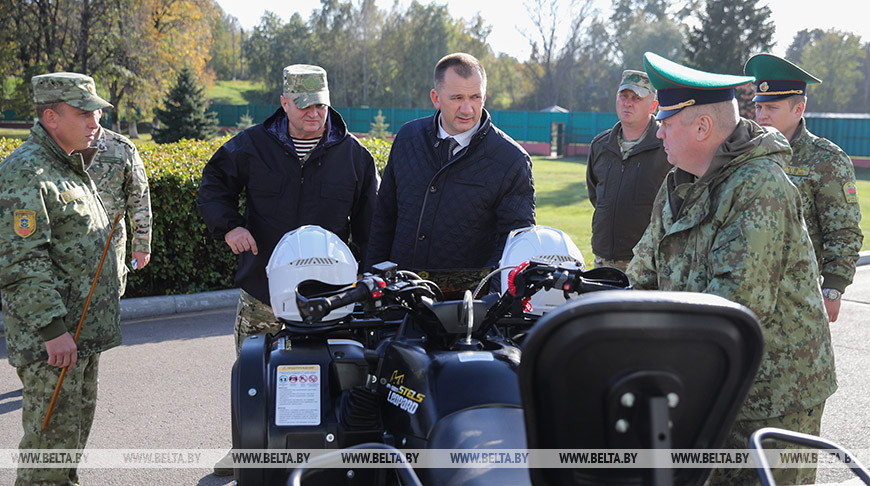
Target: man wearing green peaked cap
x,y
820,169
53,227
727,221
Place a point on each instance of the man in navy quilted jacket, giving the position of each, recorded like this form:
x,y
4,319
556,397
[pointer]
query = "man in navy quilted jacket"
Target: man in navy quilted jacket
x,y
454,185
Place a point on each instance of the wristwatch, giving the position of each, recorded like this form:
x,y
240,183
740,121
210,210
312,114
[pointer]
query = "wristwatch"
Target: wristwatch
x,y
831,294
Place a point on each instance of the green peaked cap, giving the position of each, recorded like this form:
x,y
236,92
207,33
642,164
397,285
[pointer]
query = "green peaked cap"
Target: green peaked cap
x,y
768,66
664,73
679,86
777,78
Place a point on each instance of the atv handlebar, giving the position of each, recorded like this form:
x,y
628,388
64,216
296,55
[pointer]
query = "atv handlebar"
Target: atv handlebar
x,y
376,292
313,308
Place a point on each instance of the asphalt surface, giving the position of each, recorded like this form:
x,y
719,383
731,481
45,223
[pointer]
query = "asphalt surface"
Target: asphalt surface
x,y
167,386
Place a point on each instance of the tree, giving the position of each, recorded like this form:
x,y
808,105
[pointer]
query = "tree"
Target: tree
x,y
795,51
663,36
597,72
626,12
730,31
272,45
225,48
864,89
410,46
837,59
550,63
378,128
128,46
183,114
638,26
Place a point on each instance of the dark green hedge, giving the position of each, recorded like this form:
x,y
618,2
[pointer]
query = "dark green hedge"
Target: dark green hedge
x,y
184,257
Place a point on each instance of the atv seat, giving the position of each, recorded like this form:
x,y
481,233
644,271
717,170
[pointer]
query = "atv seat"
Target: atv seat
x,y
636,370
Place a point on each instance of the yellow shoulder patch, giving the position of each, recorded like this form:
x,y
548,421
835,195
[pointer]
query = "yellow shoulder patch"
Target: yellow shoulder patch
x,y
851,192
25,222
72,195
797,171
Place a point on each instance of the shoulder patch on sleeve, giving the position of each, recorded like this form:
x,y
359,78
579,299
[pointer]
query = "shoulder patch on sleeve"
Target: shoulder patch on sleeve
x,y
851,192
25,222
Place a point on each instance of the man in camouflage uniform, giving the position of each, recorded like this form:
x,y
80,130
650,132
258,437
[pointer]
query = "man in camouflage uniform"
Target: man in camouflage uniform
x,y
53,228
820,169
727,221
303,141
120,177
625,168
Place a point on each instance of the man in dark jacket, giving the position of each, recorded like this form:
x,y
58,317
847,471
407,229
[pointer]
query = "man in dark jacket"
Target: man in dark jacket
x,y
625,169
454,185
301,166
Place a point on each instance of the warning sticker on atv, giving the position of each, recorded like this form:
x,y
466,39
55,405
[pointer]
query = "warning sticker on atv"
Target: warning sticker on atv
x,y
297,395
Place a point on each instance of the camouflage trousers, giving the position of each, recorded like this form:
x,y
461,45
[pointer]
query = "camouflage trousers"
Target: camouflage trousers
x,y
121,254
253,317
70,421
807,421
603,262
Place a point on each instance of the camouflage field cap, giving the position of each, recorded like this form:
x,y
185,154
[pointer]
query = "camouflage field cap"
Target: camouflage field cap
x,y
306,85
74,89
636,81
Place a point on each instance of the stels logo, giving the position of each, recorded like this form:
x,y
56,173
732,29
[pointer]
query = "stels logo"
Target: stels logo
x,y
401,396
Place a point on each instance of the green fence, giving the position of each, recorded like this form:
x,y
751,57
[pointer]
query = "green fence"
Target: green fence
x,y
524,126
850,132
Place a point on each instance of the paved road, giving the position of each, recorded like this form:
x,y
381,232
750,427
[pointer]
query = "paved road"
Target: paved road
x,y
168,387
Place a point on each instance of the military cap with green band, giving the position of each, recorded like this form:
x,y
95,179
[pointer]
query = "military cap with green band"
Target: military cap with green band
x,y
306,85
679,86
74,89
777,78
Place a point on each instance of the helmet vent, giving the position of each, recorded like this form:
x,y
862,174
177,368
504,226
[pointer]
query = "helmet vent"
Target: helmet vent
x,y
307,262
555,258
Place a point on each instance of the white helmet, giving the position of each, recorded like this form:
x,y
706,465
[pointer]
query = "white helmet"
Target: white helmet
x,y
542,243
308,253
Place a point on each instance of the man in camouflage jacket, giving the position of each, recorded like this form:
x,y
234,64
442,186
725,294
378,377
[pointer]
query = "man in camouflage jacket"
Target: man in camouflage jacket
x,y
728,222
819,168
119,174
53,228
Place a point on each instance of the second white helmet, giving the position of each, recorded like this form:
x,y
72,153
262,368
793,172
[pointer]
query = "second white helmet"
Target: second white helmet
x,y
308,253
544,244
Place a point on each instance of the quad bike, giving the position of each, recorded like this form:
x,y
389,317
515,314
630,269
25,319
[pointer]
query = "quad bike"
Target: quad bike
x,y
421,381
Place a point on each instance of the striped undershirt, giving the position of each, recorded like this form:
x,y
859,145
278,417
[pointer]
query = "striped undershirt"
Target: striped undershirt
x,y
304,146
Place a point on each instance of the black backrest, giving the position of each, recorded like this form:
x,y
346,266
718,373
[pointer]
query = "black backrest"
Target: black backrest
x,y
699,352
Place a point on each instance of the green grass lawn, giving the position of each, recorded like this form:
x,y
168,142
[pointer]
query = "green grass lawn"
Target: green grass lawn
x,y
562,201
237,93
20,133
